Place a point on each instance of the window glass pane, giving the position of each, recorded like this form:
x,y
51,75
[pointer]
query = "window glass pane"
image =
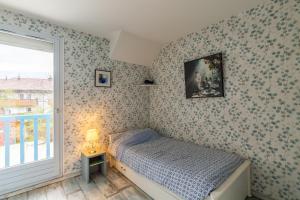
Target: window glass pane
x,y
26,100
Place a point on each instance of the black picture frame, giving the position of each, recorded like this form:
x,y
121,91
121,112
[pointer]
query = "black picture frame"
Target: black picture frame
x,y
204,77
102,78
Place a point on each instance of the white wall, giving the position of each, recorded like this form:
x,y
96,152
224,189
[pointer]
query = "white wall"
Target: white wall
x,y
133,49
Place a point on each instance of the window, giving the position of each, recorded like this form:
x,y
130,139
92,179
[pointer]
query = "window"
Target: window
x,y
29,130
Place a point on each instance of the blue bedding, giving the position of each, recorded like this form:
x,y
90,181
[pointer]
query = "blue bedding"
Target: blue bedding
x,y
139,137
191,171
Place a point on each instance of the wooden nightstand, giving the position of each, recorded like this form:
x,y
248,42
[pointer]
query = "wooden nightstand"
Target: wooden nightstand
x,y
91,163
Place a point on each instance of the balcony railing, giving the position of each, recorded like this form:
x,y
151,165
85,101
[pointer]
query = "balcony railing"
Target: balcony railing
x,y
8,120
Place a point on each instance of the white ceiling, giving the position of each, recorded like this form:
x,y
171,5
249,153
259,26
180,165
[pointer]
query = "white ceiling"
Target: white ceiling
x,y
156,20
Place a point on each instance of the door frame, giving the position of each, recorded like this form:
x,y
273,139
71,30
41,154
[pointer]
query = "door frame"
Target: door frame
x,y
58,109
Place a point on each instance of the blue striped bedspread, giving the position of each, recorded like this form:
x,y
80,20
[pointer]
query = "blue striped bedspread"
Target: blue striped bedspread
x,y
191,171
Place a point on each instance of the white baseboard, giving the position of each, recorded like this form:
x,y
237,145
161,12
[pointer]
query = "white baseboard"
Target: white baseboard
x,y
66,176
262,197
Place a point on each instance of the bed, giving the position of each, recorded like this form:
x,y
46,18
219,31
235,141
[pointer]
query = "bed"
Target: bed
x,y
170,169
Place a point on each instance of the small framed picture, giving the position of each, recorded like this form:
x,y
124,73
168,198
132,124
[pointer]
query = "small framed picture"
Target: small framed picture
x,y
102,78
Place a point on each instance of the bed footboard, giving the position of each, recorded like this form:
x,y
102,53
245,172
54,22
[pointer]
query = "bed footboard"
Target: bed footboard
x,y
236,187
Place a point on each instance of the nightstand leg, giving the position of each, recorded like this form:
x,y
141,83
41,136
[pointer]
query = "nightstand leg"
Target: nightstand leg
x,y
85,171
104,168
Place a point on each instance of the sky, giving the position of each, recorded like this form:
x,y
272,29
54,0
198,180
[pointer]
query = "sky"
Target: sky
x,y
27,63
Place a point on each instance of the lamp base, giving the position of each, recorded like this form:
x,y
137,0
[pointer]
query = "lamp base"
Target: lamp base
x,y
92,151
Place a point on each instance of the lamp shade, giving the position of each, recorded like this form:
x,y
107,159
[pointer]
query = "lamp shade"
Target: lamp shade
x,y
92,135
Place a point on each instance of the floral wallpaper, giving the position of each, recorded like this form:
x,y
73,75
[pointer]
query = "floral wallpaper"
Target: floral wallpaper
x,y
259,118
120,107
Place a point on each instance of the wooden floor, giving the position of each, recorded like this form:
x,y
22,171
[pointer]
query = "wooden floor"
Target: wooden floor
x,y
113,187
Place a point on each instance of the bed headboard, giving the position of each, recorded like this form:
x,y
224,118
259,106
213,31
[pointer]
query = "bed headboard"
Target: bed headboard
x,y
109,139
110,135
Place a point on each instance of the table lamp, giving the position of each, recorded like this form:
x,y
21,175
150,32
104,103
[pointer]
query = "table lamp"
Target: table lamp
x,y
92,137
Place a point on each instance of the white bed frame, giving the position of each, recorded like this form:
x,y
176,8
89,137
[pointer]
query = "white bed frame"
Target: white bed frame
x,y
236,187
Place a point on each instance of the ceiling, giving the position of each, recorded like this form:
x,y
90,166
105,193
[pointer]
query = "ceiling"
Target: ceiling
x,y
157,20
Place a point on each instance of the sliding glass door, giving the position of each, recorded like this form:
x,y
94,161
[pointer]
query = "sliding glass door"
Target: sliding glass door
x,y
29,111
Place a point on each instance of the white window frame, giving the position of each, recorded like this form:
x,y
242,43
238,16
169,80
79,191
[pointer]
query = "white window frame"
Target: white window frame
x,y
58,90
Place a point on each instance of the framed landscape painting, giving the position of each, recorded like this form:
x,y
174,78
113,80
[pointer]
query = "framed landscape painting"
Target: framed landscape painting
x,y
204,77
